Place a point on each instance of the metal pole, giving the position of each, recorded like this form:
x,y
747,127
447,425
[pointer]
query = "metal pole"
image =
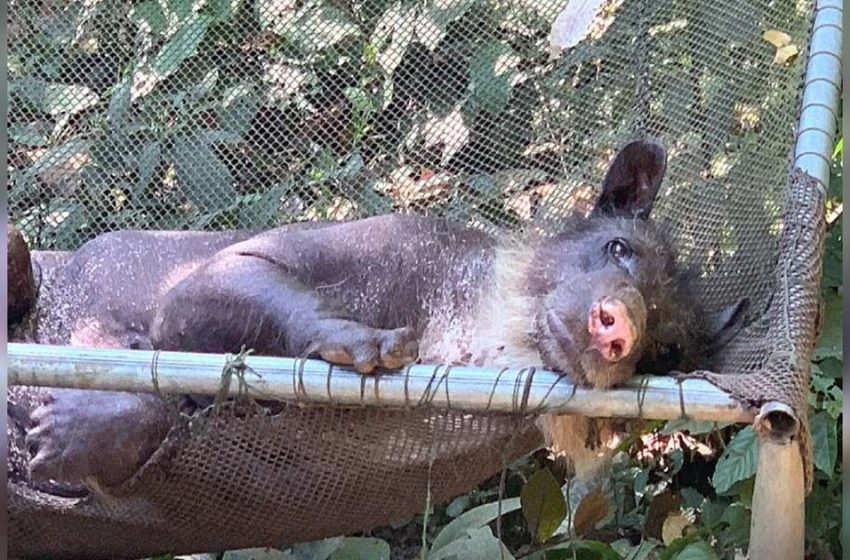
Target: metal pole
x,y
780,484
467,388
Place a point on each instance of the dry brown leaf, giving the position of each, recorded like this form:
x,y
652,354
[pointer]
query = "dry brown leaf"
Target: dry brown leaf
x,y
786,54
674,527
592,509
776,38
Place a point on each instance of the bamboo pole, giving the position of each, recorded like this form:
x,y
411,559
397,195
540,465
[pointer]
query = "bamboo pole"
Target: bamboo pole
x,y
778,520
467,388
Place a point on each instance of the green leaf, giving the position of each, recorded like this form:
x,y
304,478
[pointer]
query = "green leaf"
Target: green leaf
x,y
204,179
491,72
830,344
149,15
699,550
641,551
474,544
60,156
221,10
206,85
473,519
36,133
736,533
55,99
119,103
458,506
180,46
484,185
148,162
393,34
834,403
824,441
64,218
255,554
543,505
831,368
238,107
833,274
738,461
354,548
180,9
259,210
316,550
691,497
316,28
678,546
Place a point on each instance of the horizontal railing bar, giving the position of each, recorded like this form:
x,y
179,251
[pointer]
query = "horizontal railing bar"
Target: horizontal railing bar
x,y
287,379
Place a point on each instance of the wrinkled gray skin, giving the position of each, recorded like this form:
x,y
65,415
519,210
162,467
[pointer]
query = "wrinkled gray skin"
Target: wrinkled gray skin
x,y
375,293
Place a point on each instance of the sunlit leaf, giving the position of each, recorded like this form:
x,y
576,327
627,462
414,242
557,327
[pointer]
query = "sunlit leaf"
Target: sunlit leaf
x,y
393,34
573,24
180,46
474,544
673,528
315,28
786,54
473,519
776,38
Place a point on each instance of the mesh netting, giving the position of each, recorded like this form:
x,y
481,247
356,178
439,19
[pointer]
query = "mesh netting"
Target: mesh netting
x,y
223,114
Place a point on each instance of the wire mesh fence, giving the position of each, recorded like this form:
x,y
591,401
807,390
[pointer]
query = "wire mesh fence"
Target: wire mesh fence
x,y
226,114
213,114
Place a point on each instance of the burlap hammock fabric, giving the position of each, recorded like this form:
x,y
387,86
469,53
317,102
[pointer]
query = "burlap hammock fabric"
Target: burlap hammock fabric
x,y
465,115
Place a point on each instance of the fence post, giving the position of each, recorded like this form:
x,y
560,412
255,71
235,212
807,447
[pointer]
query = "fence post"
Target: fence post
x,y
778,520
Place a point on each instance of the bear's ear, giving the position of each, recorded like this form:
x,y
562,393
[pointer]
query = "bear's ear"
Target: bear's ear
x,y
632,181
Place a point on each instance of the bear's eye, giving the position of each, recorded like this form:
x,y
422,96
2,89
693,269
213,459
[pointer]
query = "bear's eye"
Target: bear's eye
x,y
619,249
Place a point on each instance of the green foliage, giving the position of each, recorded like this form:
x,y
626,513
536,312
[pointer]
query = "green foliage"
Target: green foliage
x,y
543,505
169,114
738,461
